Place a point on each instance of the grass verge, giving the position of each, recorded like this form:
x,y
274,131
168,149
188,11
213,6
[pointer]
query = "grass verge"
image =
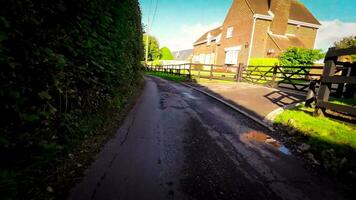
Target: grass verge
x,y
345,102
167,76
333,143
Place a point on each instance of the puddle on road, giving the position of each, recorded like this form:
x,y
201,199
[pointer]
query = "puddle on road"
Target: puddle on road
x,y
263,138
190,96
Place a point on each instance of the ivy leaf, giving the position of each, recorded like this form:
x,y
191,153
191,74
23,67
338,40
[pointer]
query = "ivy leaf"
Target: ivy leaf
x,y
30,117
3,36
44,95
61,62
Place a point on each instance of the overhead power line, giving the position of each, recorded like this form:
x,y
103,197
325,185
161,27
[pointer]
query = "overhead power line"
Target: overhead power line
x,y
154,13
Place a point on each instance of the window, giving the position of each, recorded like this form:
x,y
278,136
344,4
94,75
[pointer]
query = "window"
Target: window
x,y
207,59
229,32
231,55
201,58
212,58
195,59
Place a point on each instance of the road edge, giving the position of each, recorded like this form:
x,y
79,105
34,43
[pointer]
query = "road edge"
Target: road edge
x,y
235,108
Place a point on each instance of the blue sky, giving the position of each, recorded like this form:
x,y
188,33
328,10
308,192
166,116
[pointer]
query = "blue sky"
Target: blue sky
x,y
179,22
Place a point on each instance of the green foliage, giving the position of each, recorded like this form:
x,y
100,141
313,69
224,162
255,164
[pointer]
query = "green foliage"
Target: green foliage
x,y
295,56
166,54
322,134
346,42
345,102
167,76
323,128
60,63
264,62
154,52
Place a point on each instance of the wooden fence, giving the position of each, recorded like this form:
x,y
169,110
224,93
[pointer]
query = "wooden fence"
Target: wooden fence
x,y
290,78
330,77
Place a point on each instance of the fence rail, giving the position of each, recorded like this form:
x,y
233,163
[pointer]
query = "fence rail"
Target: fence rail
x,y
330,77
292,78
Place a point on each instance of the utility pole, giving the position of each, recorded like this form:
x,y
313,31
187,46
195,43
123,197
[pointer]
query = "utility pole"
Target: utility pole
x,y
147,42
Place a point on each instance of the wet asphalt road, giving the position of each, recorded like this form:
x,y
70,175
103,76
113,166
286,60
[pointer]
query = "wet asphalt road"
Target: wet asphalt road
x,y
179,144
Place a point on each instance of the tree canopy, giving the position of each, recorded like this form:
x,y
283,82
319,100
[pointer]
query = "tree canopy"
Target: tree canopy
x,y
154,52
346,42
166,54
296,56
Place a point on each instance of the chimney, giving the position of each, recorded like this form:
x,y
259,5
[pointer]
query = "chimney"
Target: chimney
x,y
280,9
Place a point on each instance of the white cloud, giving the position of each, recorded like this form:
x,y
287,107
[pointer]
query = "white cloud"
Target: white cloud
x,y
186,36
332,31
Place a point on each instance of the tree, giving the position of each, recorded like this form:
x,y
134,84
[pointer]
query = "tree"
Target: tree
x,y
166,54
154,52
296,56
346,42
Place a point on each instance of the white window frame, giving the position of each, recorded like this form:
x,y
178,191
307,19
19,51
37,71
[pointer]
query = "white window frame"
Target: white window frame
x,y
232,55
212,58
230,32
207,59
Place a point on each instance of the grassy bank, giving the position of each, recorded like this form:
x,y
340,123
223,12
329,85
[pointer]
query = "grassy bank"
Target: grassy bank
x,y
345,102
167,76
333,143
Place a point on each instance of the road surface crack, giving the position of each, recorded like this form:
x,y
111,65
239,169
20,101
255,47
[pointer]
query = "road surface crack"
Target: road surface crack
x,y
103,176
128,130
113,159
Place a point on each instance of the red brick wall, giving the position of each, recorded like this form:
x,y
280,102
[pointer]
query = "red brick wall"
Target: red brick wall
x,y
280,9
260,39
306,34
241,18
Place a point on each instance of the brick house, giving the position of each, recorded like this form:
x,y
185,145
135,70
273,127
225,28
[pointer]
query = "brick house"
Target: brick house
x,y
257,29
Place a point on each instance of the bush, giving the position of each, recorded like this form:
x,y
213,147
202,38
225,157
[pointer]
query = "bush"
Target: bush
x,y
295,56
61,62
264,62
166,54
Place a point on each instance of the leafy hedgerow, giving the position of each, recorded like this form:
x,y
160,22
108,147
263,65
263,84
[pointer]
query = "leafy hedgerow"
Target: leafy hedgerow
x,y
61,61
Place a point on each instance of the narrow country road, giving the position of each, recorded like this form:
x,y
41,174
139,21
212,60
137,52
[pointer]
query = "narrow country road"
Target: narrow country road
x,y
179,144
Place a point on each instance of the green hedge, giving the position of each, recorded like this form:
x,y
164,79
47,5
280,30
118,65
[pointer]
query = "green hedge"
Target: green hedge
x,y
264,61
61,61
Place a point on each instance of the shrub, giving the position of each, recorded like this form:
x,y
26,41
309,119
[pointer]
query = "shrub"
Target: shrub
x,y
264,61
166,54
295,56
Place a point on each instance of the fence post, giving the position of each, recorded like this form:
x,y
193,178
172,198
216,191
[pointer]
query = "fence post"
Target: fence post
x,y
190,71
325,88
199,68
239,72
341,86
211,72
274,83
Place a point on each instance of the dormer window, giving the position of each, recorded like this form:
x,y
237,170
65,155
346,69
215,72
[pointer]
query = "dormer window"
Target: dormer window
x,y
229,32
208,39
